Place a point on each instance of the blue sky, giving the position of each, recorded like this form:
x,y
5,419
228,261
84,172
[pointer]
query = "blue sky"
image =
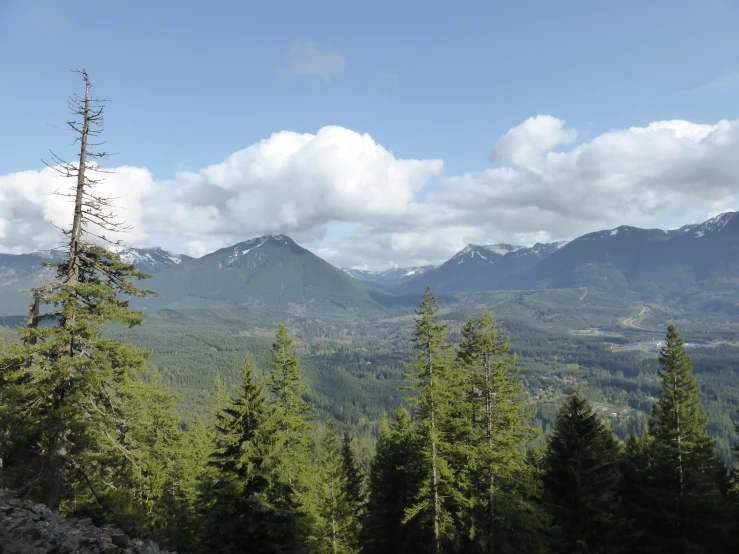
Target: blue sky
x,y
192,82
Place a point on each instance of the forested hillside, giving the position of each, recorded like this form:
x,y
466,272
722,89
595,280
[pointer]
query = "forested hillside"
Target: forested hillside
x,y
258,399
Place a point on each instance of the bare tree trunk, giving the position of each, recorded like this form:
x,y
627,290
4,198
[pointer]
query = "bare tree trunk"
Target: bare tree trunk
x,y
57,454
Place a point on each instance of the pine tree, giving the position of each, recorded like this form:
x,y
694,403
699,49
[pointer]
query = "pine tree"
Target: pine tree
x,y
497,476
335,526
682,492
581,481
250,506
394,481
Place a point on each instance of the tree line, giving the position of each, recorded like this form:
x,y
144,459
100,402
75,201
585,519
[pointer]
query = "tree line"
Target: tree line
x,y
88,428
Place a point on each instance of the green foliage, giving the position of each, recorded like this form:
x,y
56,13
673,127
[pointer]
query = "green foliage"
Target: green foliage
x,y
681,491
395,478
492,427
581,482
250,506
292,414
333,513
430,372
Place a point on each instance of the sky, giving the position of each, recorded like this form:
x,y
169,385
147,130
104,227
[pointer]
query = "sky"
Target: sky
x,y
376,134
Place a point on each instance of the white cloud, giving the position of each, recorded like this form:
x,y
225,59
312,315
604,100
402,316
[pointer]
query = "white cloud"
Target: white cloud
x,y
291,183
28,207
303,184
306,59
523,145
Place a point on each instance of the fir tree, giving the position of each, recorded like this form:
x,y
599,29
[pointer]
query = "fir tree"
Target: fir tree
x,y
250,506
355,487
682,492
64,379
429,369
394,481
497,478
581,481
335,526
293,413
195,475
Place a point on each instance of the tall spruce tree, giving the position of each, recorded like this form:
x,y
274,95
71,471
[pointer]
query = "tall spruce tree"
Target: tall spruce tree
x,y
335,526
394,482
681,494
250,508
64,379
430,371
499,481
581,482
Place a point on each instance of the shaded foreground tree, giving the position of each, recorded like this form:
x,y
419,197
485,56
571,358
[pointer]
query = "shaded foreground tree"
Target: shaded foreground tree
x,y
64,399
679,495
394,481
251,506
581,482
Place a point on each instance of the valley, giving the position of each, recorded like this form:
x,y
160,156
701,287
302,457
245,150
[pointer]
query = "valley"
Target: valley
x,y
574,328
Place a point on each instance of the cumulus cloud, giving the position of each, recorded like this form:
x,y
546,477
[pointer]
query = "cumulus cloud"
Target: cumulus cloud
x,y
29,207
523,145
291,183
306,59
355,203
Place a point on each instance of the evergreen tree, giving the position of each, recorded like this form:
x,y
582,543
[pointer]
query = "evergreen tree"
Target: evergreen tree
x,y
335,526
195,475
355,487
250,506
144,496
429,369
63,381
394,481
581,481
497,477
294,415
682,492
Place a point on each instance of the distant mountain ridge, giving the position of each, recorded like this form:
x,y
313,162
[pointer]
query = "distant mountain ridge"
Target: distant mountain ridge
x,y
392,276
274,273
270,273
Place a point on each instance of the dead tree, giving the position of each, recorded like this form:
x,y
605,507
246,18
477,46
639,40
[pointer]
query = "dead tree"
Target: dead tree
x,y
93,217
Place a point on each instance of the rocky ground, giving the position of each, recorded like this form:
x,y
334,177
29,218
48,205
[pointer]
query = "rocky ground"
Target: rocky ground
x,y
28,528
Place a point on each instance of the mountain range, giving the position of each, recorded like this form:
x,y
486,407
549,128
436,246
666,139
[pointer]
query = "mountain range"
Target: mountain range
x,y
274,273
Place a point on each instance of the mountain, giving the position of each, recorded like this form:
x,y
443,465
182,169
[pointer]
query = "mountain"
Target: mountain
x,y
393,276
21,272
269,273
698,264
630,259
478,268
149,260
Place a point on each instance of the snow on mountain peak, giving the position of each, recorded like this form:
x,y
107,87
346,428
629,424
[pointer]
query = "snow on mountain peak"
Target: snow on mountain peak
x,y
713,225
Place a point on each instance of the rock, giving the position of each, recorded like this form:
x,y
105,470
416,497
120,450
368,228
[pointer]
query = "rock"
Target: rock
x,y
120,540
28,528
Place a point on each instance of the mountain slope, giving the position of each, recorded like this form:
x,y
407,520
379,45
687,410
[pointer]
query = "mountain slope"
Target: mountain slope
x,y
479,268
393,276
629,259
269,273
